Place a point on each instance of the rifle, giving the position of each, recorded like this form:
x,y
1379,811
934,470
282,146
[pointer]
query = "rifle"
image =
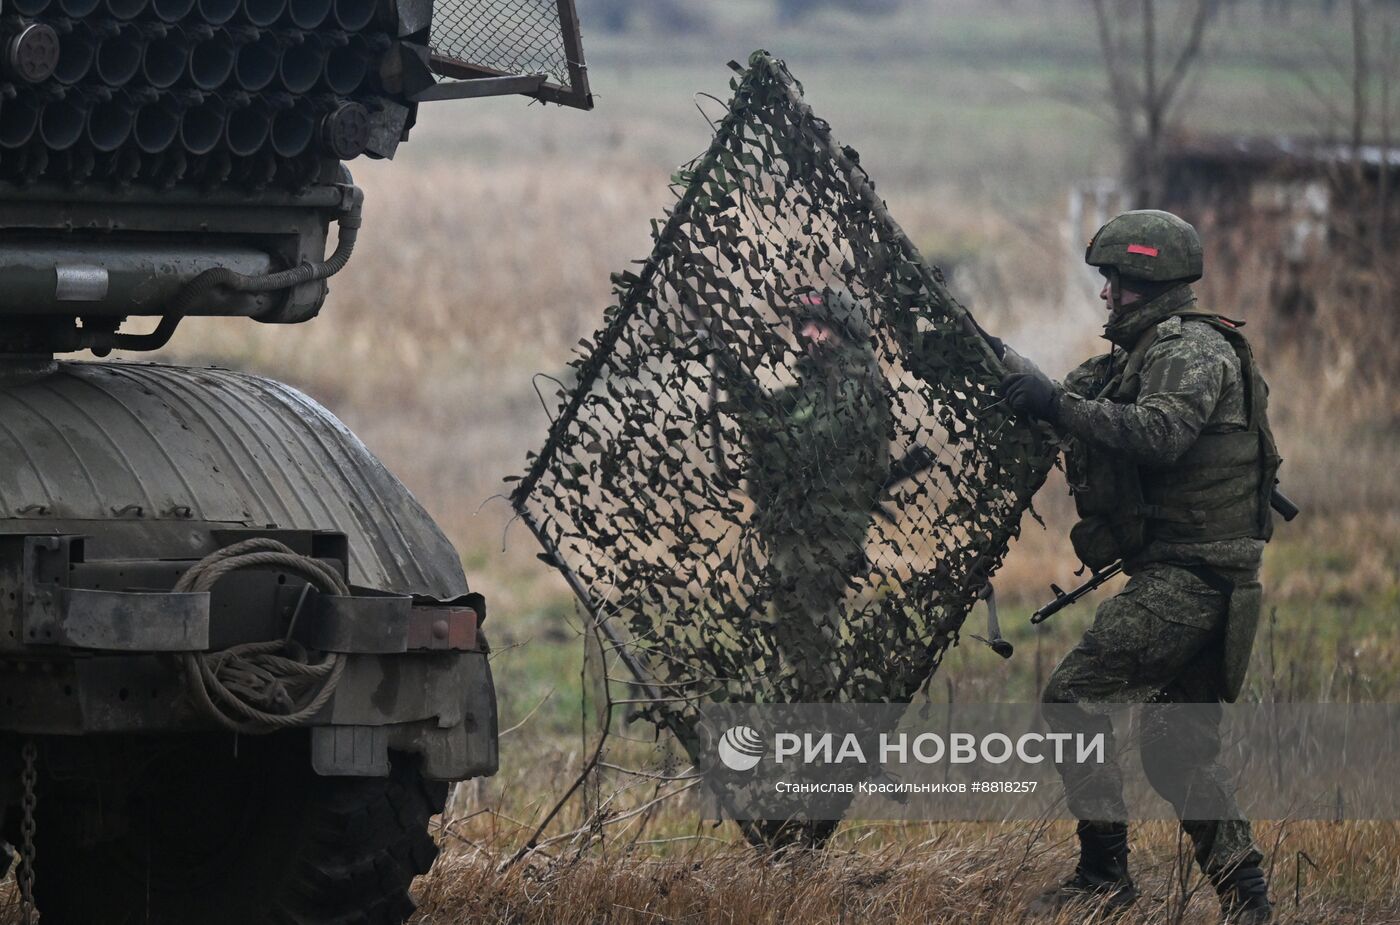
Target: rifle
x,y
1064,598
918,460
1278,501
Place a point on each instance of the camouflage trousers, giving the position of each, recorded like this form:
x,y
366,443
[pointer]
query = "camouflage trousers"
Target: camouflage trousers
x,y
810,578
1158,641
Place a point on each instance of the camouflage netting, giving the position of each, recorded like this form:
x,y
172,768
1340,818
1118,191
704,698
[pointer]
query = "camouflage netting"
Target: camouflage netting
x,y
509,36
754,516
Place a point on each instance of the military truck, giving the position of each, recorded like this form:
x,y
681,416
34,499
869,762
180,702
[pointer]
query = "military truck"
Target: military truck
x,y
239,662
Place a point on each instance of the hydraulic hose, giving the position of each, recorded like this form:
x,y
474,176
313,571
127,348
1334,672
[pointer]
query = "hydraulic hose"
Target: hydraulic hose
x,y
223,278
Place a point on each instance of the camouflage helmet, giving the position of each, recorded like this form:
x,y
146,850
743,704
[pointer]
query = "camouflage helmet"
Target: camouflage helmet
x,y
1147,244
837,308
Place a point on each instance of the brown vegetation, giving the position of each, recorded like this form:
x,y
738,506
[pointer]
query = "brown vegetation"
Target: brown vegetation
x,y
960,873
474,279
473,276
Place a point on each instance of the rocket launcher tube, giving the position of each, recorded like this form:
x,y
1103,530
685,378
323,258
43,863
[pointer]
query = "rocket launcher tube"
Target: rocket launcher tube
x,y
308,14
157,123
77,49
167,56
350,65
293,130
216,12
250,121
111,121
172,11
62,121
21,121
202,126
212,60
353,15
303,62
119,56
263,12
347,67
126,9
77,9
258,63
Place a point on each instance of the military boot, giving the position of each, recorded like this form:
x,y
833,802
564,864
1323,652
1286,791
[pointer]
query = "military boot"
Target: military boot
x,y
1101,875
1244,895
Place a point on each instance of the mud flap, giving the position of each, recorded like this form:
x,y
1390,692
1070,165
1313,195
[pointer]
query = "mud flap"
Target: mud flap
x,y
1241,626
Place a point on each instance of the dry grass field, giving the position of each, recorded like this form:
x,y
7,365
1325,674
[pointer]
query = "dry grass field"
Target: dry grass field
x,y
486,256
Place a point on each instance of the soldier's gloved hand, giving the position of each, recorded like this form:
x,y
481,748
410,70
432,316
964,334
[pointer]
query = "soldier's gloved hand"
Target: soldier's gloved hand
x,y
1030,393
1016,363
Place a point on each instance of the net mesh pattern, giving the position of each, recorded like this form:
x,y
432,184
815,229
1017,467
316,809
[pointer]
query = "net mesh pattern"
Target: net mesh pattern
x,y
782,471
510,36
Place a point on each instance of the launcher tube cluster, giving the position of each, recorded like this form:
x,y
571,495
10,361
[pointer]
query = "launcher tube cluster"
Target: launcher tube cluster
x,y
159,92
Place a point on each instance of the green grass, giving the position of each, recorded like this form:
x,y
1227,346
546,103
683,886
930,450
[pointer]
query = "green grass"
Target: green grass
x,y
1305,651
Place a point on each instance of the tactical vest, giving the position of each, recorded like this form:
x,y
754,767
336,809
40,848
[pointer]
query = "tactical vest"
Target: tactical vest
x,y
1219,489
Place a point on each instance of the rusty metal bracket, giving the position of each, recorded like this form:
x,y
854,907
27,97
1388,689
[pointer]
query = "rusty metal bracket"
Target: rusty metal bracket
x,y
134,621
100,619
443,627
46,564
367,622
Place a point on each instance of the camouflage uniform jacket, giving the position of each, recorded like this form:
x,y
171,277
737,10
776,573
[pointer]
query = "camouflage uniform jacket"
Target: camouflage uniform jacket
x,y
818,450
1149,399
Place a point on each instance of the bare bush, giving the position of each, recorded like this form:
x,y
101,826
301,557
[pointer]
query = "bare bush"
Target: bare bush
x,y
674,16
793,11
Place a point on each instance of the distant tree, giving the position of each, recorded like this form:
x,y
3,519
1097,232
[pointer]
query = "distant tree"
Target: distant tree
x,y
677,16
608,15
1371,73
620,15
1145,78
792,11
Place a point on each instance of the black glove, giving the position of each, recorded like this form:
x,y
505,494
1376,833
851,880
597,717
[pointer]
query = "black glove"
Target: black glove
x,y
1030,393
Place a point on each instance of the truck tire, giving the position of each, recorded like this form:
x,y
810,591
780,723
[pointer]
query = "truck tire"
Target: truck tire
x,y
209,837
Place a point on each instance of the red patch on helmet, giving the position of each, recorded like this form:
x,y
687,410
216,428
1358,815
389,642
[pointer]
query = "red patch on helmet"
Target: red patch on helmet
x,y
813,298
1142,249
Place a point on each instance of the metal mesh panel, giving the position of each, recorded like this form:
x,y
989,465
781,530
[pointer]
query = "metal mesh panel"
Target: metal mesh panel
x,y
783,471
506,36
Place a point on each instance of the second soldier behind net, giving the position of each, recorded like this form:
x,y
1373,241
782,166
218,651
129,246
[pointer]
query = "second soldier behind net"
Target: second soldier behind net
x,y
817,459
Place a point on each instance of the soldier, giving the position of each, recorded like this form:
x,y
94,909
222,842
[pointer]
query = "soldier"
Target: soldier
x,y
1171,461
818,457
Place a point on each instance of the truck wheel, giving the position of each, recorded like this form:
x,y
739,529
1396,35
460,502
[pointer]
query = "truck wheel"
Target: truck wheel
x,y
206,836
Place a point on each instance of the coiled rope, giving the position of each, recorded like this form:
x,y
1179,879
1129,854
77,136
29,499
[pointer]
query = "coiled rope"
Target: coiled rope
x,y
261,687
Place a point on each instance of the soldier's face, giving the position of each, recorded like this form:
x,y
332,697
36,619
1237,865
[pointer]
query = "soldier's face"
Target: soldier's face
x,y
1126,297
817,337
